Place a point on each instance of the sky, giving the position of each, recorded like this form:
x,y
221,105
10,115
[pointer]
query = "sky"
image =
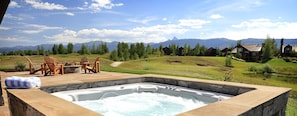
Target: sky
x,y
35,22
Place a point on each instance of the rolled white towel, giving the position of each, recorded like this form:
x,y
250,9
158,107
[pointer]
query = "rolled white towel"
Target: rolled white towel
x,y
16,82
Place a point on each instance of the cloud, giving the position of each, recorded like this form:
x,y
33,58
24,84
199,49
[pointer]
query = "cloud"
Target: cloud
x,y
98,5
9,16
257,23
69,13
13,39
155,33
216,16
258,28
14,4
236,5
45,5
4,28
38,28
143,21
193,23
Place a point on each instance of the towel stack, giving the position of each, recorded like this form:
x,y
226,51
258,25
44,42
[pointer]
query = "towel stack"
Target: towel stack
x,y
16,82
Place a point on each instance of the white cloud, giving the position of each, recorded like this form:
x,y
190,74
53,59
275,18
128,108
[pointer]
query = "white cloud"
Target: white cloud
x,y
69,13
236,5
7,15
143,21
216,16
98,5
14,4
259,28
38,28
45,5
13,39
193,23
155,33
4,28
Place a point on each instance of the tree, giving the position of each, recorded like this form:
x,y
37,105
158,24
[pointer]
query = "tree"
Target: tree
x,y
61,49
114,55
140,49
126,53
70,48
184,50
173,49
83,50
228,62
149,50
161,50
197,51
132,51
120,51
267,49
55,49
93,50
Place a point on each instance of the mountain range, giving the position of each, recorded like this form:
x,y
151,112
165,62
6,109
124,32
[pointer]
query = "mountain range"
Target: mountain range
x,y
215,43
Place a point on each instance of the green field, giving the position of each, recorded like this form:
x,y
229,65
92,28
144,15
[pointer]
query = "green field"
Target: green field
x,y
212,68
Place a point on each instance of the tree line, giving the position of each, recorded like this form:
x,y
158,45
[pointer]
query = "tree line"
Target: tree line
x,y
61,49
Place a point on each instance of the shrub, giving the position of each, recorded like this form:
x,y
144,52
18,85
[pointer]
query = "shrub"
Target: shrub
x,y
228,62
267,69
20,66
252,69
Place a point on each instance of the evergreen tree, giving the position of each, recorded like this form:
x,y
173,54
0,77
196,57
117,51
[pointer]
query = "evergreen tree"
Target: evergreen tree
x,y
114,55
185,50
120,51
55,49
140,49
267,49
132,51
105,48
83,50
161,50
149,49
203,50
126,54
61,49
70,48
93,49
173,49
197,51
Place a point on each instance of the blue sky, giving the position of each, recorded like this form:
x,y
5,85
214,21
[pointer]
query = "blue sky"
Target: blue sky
x,y
34,22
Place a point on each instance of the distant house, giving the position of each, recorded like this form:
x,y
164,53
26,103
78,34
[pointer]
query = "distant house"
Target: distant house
x,y
288,49
225,51
211,52
248,52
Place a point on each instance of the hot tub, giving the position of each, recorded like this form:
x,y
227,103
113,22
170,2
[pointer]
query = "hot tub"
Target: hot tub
x,y
141,99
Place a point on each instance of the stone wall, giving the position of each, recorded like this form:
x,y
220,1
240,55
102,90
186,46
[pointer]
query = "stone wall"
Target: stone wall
x,y
275,107
20,108
272,107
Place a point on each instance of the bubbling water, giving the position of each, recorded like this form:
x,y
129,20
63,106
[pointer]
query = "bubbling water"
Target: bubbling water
x,y
141,104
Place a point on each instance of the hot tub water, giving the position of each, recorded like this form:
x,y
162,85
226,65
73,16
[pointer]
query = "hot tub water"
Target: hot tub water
x,y
141,99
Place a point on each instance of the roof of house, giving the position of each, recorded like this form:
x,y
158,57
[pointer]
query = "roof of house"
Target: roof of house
x,y
252,47
249,47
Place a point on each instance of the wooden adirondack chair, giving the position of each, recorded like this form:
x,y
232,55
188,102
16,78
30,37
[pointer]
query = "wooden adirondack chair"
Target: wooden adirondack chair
x,y
95,68
34,67
51,66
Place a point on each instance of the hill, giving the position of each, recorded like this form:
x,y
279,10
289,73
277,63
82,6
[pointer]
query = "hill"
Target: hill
x,y
215,43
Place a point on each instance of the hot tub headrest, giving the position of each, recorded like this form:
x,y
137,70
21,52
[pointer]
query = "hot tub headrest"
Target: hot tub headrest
x,y
16,82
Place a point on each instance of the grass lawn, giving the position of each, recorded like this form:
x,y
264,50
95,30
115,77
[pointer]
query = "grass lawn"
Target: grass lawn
x,y
285,73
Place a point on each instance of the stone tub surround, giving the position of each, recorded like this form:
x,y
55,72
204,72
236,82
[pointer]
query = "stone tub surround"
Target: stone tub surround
x,y
250,100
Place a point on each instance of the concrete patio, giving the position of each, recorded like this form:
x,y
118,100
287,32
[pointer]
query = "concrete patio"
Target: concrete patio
x,y
258,100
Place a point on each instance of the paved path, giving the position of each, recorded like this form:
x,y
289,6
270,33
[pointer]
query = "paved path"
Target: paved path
x,y
116,64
